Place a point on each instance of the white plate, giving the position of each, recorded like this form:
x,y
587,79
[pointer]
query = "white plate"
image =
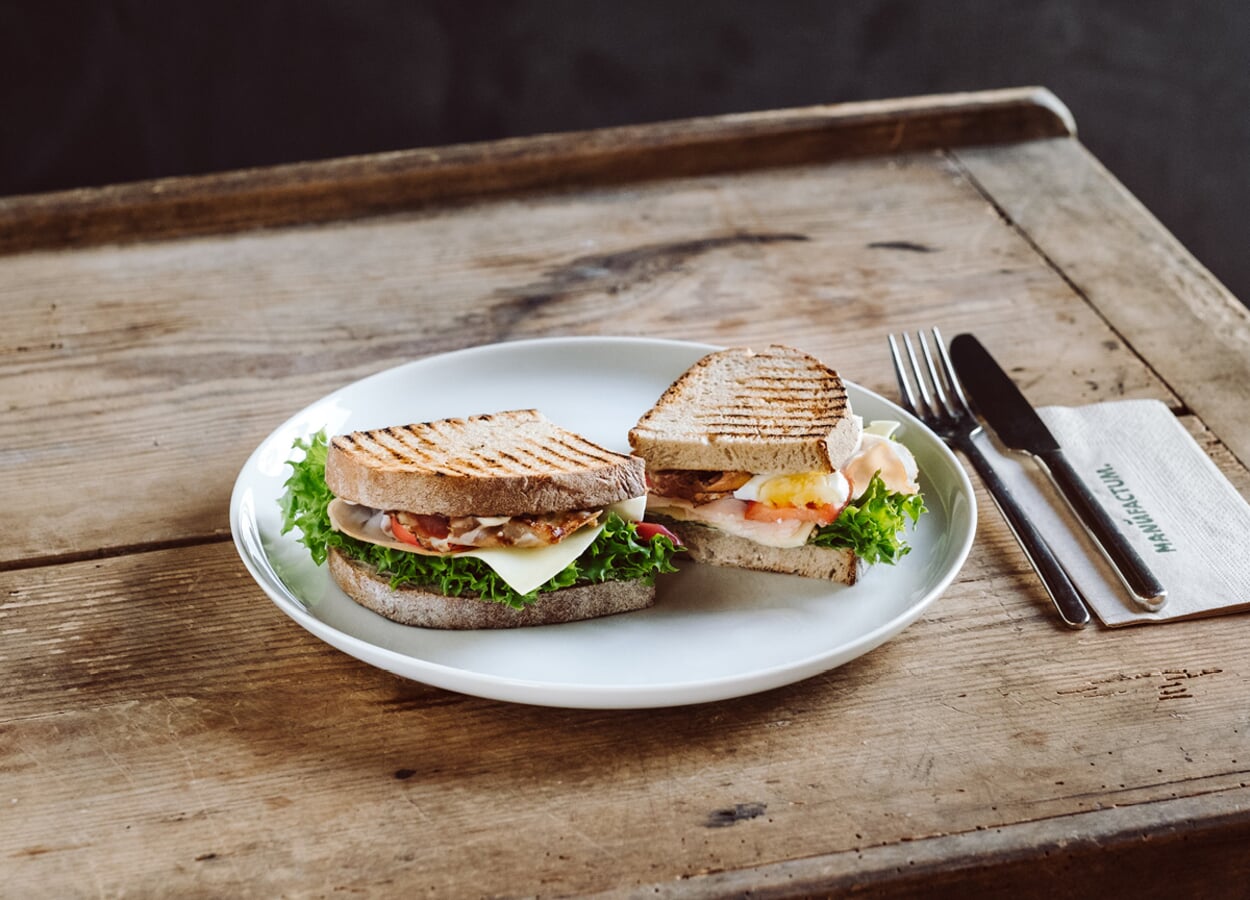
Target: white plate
x,y
713,633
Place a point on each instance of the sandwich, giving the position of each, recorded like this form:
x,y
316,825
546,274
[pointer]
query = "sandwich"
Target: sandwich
x,y
756,460
489,521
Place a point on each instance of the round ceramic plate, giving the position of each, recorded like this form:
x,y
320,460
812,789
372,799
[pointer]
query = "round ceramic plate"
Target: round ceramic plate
x,y
713,633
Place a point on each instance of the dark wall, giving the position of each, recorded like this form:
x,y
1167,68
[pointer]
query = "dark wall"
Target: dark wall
x,y
100,92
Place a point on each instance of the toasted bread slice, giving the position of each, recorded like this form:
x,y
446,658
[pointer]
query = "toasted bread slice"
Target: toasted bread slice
x,y
503,464
775,410
427,608
710,545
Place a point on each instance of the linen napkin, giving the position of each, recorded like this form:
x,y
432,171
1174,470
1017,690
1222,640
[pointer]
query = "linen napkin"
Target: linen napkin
x,y
1181,513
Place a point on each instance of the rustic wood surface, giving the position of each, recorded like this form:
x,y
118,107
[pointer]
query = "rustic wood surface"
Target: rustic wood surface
x,y
330,190
164,729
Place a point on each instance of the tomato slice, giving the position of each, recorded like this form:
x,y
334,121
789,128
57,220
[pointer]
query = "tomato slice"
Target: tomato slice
x,y
651,530
764,512
401,533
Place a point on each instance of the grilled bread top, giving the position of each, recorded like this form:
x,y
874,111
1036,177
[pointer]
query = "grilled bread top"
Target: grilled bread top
x,y
502,464
773,410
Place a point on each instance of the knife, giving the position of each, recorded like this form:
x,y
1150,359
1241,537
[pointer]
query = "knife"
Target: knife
x,y
1018,426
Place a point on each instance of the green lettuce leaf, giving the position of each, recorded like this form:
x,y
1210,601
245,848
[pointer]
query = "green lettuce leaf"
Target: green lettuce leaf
x,y
617,554
874,526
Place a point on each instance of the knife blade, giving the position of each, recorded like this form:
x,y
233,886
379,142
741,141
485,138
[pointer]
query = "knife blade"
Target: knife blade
x,y
1019,427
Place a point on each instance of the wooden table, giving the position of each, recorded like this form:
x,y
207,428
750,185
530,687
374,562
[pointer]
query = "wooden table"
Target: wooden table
x,y
165,730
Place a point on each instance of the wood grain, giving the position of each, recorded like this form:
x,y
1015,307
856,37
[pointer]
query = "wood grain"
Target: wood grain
x,y
165,730
161,714
166,364
1154,851
1131,270
370,185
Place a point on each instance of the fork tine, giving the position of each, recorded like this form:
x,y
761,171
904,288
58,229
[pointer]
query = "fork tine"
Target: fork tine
x,y
943,404
948,369
918,373
955,423
904,384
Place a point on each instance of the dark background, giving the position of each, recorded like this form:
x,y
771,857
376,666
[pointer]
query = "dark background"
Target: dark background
x,y
99,92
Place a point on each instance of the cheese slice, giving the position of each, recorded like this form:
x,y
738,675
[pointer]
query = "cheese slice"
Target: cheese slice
x,y
523,568
526,568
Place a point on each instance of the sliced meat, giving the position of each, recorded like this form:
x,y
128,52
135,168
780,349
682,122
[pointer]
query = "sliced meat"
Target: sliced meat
x,y
696,485
444,533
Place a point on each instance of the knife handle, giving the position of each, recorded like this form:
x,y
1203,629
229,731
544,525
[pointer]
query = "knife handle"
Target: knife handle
x,y
1146,589
1063,593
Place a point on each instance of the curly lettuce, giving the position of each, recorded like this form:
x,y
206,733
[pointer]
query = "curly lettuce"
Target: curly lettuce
x,y
874,525
617,554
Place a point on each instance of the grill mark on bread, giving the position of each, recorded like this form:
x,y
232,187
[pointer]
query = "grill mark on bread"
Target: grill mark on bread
x,y
399,451
795,415
792,418
370,447
524,460
774,390
776,426
401,448
584,449
415,452
560,455
569,458
507,459
777,409
754,433
786,388
546,456
509,463
466,466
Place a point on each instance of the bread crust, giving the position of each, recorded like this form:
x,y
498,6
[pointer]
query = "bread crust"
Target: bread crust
x,y
411,605
710,545
503,464
775,410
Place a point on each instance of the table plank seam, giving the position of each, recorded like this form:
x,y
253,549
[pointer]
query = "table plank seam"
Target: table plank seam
x,y
79,556
923,857
1019,229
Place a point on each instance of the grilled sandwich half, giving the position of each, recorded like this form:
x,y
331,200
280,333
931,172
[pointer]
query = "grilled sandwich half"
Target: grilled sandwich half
x,y
753,457
431,522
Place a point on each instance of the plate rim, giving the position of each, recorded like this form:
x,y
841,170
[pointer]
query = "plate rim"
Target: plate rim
x,y
588,696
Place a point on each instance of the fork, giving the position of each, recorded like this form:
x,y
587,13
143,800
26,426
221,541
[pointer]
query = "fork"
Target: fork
x,y
949,415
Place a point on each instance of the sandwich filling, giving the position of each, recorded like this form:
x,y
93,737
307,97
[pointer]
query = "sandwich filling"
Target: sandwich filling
x,y
525,551
509,560
790,509
452,534
444,533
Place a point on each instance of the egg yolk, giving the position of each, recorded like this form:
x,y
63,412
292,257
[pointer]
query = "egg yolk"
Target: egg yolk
x,y
803,489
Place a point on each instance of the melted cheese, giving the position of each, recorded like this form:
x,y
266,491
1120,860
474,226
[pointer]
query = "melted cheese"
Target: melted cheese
x,y
523,568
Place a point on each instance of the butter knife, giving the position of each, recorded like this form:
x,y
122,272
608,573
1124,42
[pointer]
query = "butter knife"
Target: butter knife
x,y
1018,426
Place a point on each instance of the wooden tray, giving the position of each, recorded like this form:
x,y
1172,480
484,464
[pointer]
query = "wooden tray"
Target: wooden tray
x,y
166,730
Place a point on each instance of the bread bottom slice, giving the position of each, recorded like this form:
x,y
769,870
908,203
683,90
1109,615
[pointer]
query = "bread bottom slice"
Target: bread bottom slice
x,y
427,608
719,548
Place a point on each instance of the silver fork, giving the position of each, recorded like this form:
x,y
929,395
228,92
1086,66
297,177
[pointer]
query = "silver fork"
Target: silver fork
x,y
950,416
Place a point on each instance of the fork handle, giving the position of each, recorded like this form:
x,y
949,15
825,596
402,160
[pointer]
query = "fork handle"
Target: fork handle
x,y
1063,593
1145,587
